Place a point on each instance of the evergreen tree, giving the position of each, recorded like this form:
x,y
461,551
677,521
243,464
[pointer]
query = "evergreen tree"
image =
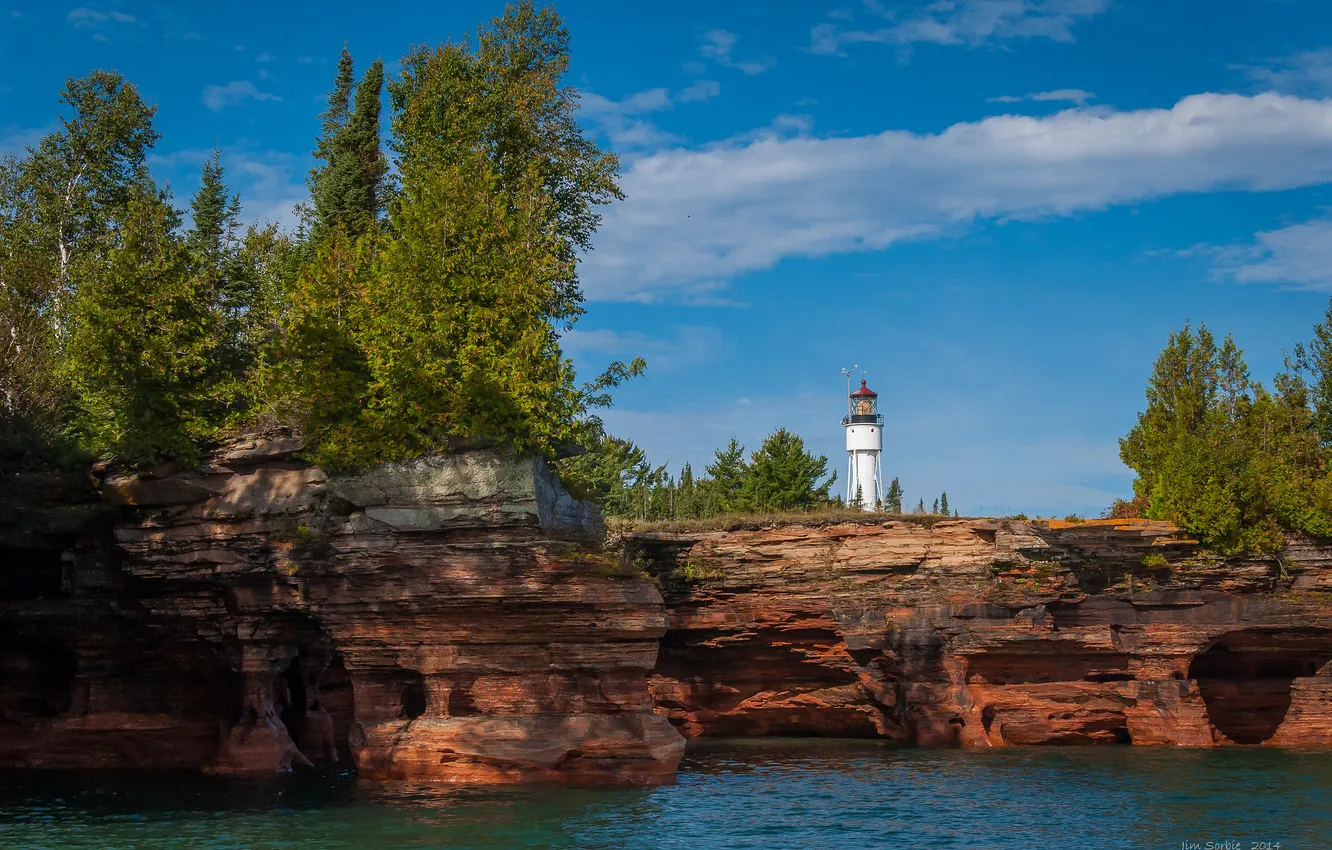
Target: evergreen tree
x,y
141,358
783,476
859,500
943,503
1320,367
893,503
920,506
935,509
687,495
214,211
504,98
348,191
726,479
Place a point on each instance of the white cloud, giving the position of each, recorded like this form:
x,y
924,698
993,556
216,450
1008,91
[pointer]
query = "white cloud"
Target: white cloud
x,y
233,93
624,120
686,347
962,22
84,18
717,46
1299,256
265,57
97,36
696,218
701,90
1077,96
1306,73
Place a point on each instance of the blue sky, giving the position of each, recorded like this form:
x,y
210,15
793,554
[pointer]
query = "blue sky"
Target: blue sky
x,y
999,208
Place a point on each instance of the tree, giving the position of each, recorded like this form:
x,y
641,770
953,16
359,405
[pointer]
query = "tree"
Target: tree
x,y
1319,364
935,508
920,506
859,500
893,503
141,357
726,479
504,98
348,190
783,476
214,212
943,503
83,177
1222,456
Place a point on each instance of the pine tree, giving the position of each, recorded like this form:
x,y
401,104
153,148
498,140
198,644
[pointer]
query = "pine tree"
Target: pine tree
x,y
349,190
145,344
1320,365
504,96
783,476
943,503
214,212
935,509
920,506
893,504
726,479
686,499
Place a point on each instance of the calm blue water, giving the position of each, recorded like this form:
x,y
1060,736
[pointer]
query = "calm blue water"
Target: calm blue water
x,y
754,794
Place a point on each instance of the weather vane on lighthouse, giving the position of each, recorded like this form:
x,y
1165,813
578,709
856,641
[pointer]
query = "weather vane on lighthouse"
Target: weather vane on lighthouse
x,y
864,445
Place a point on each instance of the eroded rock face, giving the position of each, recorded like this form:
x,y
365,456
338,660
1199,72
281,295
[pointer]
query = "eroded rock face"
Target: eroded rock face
x,y
448,619
991,633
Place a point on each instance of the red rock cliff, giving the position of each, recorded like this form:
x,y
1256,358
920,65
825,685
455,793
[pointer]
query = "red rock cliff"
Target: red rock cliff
x,y
991,633
448,619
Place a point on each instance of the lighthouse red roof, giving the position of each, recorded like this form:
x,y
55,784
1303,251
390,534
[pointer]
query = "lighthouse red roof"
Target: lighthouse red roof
x,y
864,392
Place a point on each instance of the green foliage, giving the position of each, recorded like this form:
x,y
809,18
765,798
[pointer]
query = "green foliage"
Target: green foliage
x,y
348,190
783,476
378,335
1223,457
726,479
943,503
142,354
893,501
503,97
1154,561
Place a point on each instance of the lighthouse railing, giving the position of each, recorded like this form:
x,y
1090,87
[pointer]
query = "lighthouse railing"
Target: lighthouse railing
x,y
863,419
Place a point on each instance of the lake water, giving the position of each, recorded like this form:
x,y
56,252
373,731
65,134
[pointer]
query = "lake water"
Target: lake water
x,y
751,794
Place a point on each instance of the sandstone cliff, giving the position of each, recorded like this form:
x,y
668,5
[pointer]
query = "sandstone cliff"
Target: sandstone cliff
x,y
989,633
448,619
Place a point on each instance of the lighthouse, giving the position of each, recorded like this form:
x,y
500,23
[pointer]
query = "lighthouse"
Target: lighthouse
x,y
864,445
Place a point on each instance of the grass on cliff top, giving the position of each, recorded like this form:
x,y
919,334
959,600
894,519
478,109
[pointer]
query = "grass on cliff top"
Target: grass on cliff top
x,y
753,521
834,515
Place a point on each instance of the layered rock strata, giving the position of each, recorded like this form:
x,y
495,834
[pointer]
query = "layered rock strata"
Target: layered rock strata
x,y
448,619
991,633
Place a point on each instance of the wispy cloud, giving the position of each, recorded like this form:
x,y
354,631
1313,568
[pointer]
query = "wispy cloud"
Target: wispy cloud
x,y
1298,256
625,121
270,182
696,218
265,57
960,22
1308,72
718,45
1077,96
86,18
233,93
685,347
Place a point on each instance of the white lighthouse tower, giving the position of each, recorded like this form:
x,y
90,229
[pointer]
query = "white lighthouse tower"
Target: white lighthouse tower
x,y
864,445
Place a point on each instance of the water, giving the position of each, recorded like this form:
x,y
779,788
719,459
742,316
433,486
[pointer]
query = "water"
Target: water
x,y
733,795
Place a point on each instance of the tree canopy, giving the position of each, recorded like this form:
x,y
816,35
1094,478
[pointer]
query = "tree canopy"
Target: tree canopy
x,y
1225,457
411,314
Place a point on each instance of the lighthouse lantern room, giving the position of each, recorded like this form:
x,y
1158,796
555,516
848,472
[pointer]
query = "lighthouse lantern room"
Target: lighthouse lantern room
x,y
864,445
